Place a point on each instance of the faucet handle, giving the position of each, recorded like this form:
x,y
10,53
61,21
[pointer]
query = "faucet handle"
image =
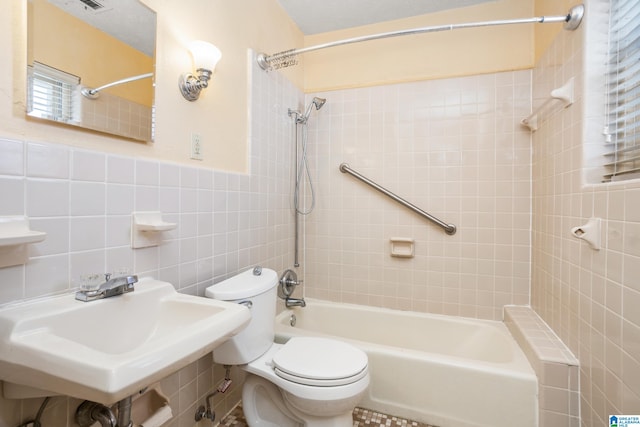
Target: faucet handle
x,y
90,282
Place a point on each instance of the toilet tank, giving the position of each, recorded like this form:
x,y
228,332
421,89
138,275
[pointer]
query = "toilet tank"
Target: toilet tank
x,y
259,293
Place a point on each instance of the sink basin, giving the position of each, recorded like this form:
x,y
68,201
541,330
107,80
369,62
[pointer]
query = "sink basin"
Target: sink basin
x,y
109,349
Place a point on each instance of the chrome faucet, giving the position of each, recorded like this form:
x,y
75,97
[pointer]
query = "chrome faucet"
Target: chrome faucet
x,y
288,282
110,288
294,302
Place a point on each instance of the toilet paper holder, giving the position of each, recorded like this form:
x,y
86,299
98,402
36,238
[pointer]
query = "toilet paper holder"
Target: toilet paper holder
x,y
589,232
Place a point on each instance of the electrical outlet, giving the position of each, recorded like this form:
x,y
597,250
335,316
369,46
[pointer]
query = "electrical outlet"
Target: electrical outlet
x,y
196,146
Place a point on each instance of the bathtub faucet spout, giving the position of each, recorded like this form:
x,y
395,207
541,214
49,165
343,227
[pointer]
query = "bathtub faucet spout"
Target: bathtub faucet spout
x,y
288,282
294,302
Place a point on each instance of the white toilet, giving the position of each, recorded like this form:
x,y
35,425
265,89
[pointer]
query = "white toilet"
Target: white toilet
x,y
305,382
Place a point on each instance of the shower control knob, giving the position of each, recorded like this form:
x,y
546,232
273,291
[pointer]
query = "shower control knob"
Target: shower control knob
x,y
288,282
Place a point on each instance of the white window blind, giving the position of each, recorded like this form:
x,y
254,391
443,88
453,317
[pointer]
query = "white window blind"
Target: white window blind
x,y
51,93
622,128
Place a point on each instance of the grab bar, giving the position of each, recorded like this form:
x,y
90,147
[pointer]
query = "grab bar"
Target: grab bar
x,y
450,229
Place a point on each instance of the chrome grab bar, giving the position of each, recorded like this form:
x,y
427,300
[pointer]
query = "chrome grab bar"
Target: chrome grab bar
x,y
448,228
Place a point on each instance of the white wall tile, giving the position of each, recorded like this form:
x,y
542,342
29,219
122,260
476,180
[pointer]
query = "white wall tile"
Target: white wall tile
x,y
86,198
12,159
119,199
47,197
86,233
47,275
13,191
47,160
57,240
147,172
88,166
120,170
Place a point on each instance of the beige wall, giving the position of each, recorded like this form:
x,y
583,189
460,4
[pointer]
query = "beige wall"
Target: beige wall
x,y
426,56
220,116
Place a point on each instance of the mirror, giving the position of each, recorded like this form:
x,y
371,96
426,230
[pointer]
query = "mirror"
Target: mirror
x,y
90,63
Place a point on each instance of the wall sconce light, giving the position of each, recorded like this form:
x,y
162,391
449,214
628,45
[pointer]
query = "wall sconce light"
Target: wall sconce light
x,y
205,57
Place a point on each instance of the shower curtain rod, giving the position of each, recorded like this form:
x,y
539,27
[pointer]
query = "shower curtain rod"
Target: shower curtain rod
x,y
94,93
287,58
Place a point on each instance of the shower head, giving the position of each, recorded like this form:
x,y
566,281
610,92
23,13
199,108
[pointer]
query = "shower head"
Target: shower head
x,y
317,102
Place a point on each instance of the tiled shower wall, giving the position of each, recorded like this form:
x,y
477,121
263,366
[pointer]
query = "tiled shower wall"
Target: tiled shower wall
x,y
84,199
590,298
452,147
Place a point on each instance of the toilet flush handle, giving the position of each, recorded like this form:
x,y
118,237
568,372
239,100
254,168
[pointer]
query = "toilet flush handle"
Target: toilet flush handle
x,y
247,303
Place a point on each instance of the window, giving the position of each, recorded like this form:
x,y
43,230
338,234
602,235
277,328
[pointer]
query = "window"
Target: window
x,y
51,94
622,115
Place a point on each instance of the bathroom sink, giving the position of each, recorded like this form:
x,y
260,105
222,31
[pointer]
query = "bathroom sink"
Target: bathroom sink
x,y
109,349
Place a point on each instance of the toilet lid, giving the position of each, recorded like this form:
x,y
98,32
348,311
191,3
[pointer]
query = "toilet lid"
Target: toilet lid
x,y
320,361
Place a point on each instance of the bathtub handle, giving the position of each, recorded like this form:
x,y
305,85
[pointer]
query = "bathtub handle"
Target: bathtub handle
x,y
288,282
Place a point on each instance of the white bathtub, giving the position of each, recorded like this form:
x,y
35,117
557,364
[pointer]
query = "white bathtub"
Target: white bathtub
x,y
441,370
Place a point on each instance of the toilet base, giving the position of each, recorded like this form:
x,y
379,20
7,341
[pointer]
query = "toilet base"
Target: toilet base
x,y
264,405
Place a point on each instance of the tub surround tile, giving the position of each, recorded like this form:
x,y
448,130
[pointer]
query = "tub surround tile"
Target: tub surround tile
x,y
452,147
555,366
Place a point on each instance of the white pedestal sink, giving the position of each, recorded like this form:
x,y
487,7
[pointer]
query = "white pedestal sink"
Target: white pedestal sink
x,y
109,349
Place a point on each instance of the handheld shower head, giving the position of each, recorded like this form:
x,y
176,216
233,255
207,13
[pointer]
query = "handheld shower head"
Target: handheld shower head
x,y
317,102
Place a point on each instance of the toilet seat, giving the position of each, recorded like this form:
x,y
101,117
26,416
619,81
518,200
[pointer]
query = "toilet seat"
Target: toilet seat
x,y
320,362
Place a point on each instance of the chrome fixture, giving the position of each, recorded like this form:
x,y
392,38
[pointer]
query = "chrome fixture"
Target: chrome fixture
x,y
302,167
94,93
209,413
288,282
88,413
205,57
302,118
288,58
295,302
448,228
110,288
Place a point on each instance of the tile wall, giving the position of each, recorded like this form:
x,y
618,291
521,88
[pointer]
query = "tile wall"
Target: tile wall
x,y
83,200
454,148
590,298
556,367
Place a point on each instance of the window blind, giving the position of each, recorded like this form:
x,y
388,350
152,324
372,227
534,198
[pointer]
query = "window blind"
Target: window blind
x,y
51,93
622,129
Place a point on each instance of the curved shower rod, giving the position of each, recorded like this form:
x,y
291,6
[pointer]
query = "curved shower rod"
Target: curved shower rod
x,y
287,58
94,93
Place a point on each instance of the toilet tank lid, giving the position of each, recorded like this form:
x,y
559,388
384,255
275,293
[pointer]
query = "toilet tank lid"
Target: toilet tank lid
x,y
243,285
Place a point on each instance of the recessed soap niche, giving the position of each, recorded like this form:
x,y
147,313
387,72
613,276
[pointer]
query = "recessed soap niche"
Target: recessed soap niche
x,y
402,247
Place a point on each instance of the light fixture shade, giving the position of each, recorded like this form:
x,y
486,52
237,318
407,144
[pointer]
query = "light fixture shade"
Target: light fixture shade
x,y
205,55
